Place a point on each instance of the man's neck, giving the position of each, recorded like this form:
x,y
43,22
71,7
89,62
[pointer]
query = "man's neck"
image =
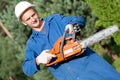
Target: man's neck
x,y
40,26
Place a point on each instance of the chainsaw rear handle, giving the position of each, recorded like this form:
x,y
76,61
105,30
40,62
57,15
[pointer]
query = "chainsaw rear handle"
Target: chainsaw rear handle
x,y
67,56
58,59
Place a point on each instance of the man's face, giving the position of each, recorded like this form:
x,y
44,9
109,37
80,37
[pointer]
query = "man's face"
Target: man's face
x,y
30,18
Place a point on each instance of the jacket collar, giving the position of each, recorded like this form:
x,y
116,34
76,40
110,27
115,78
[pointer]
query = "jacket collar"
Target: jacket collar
x,y
46,27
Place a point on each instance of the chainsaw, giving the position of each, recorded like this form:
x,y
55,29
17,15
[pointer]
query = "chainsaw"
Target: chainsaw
x,y
66,48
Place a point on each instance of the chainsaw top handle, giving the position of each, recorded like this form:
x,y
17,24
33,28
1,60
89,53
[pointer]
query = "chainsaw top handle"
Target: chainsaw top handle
x,y
76,29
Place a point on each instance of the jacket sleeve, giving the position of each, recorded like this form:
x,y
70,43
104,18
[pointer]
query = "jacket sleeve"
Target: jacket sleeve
x,y
71,20
29,65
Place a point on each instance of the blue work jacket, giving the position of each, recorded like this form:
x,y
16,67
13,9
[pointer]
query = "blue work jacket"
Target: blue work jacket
x,y
88,66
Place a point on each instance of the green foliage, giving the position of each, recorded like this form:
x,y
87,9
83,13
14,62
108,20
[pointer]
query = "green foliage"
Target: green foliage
x,y
12,51
11,23
98,48
10,65
107,12
117,38
3,4
117,64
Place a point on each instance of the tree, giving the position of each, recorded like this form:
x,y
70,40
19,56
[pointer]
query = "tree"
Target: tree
x,y
12,50
107,12
10,65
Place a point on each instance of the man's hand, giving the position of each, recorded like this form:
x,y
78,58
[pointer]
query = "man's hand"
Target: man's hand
x,y
70,29
44,57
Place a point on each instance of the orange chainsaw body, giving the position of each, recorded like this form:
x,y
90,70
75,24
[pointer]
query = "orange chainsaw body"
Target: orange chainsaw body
x,y
70,49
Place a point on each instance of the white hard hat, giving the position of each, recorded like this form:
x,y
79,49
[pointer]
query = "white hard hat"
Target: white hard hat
x,y
21,7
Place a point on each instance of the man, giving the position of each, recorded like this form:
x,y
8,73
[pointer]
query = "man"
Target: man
x,y
45,32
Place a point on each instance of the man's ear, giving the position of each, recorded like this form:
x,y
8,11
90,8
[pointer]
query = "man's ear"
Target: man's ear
x,y
24,23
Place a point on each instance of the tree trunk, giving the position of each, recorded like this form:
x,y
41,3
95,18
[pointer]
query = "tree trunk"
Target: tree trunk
x,y
110,52
5,30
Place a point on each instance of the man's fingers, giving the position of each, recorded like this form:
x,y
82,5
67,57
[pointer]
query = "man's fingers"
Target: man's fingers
x,y
48,61
51,55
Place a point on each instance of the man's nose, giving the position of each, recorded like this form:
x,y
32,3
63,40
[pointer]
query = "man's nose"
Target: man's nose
x,y
32,18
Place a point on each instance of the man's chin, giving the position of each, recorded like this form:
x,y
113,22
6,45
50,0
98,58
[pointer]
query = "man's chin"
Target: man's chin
x,y
36,25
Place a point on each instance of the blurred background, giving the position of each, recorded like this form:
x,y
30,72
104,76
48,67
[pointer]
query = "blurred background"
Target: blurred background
x,y
99,14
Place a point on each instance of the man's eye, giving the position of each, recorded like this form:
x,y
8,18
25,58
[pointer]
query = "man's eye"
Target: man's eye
x,y
27,19
33,14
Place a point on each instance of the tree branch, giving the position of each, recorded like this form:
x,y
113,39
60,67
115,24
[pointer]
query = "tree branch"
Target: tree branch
x,y
5,30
